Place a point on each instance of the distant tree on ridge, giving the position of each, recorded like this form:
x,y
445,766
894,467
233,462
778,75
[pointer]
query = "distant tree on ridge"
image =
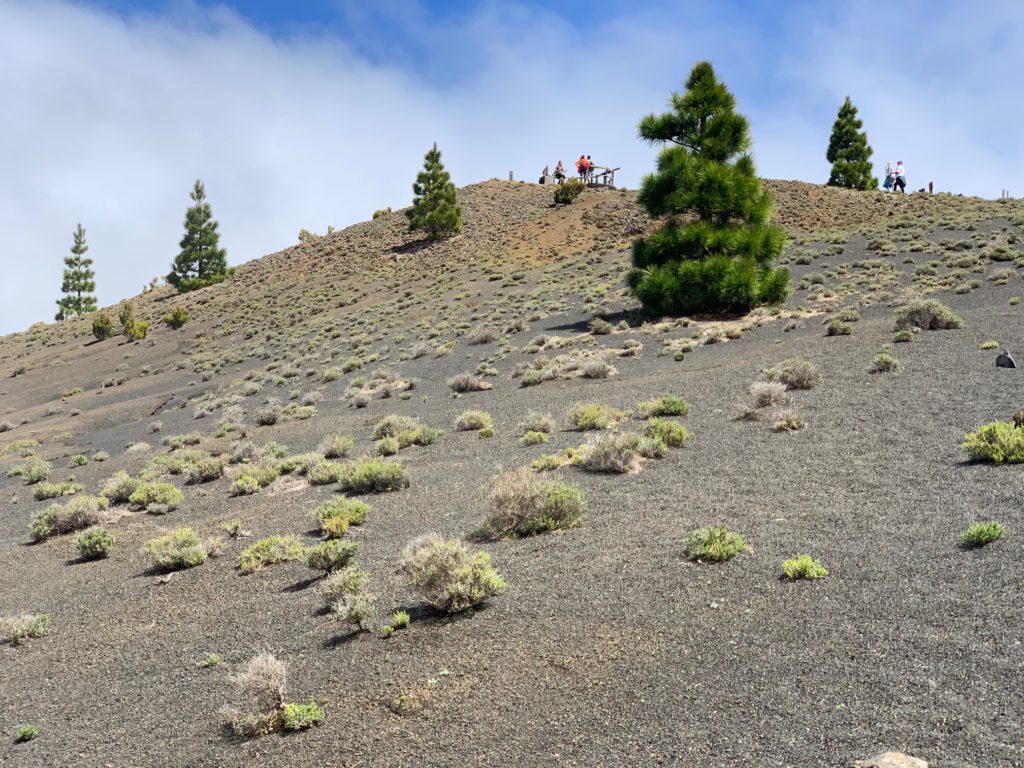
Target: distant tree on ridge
x,y
435,206
201,261
79,281
849,151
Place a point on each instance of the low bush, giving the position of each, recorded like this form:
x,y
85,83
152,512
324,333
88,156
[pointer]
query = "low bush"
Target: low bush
x,y
591,416
179,549
666,405
323,472
269,414
884,362
534,438
989,344
102,327
803,567
795,373
467,382
16,629
74,515
25,733
245,485
537,422
388,446
928,315
44,490
672,433
901,337
548,462
330,555
94,543
837,327
261,691
596,369
768,393
299,717
567,192
157,498
205,470
335,516
269,551
471,420
176,318
980,534
136,330
335,446
447,575
369,474
1001,442
344,592
523,504
715,544
610,452
788,421
483,334
120,487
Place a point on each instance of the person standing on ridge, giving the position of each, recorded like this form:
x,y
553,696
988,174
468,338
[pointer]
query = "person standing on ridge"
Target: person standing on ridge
x,y
890,177
590,170
581,167
559,172
901,177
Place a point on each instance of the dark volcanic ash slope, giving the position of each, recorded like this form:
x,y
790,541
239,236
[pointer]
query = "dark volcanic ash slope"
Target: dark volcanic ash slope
x,y
609,648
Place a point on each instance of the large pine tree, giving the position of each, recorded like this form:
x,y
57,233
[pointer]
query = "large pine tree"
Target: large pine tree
x,y
435,206
79,281
849,151
201,261
715,250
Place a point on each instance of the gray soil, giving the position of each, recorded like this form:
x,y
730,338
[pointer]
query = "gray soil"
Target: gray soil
x,y
609,647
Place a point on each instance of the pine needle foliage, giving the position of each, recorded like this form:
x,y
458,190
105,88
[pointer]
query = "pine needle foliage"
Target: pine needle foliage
x,y
79,281
719,257
435,207
849,151
202,261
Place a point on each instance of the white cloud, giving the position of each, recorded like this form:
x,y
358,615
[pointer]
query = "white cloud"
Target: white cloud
x,y
109,119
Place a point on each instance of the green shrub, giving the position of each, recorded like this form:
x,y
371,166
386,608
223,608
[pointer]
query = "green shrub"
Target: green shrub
x,y
15,629
25,733
666,405
350,511
74,515
261,692
470,420
299,717
176,318
94,543
205,470
179,549
590,416
548,462
245,485
368,474
795,373
980,534
136,330
999,442
567,192
102,327
388,446
901,337
393,425
78,460
928,315
467,382
44,490
837,327
344,592
33,471
157,498
534,438
324,472
271,550
330,555
335,446
120,487
788,421
400,620
848,315
447,575
522,504
803,567
610,452
884,362
672,433
990,344
716,544
537,422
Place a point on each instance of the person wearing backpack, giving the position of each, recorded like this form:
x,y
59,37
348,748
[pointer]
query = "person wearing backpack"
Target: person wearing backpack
x,y
581,167
901,178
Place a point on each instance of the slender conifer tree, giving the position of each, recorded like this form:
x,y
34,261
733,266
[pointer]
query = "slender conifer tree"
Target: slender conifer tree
x,y
849,151
79,280
435,206
201,261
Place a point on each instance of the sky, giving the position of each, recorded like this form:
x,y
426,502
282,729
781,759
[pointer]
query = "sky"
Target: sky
x,y
308,114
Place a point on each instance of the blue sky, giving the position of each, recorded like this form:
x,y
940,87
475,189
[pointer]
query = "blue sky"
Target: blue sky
x,y
304,114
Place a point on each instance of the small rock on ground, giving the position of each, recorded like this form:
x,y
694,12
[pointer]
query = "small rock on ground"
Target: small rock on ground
x,y
891,760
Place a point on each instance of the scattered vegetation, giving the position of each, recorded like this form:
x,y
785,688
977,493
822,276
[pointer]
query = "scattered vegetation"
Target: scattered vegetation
x,y
269,551
795,373
666,405
179,549
980,534
157,498
447,575
803,567
715,544
17,629
523,504
262,707
94,543
591,416
330,555
928,315
1001,442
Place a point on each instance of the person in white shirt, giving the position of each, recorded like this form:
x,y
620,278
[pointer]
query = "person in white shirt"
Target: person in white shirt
x,y
901,177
